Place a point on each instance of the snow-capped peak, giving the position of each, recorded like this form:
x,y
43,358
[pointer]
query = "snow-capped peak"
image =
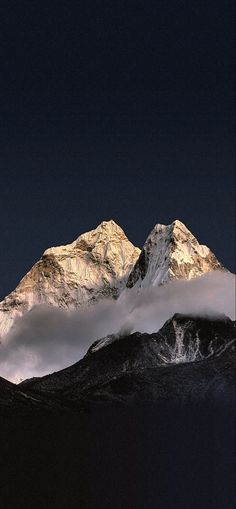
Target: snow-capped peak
x,y
171,252
100,263
107,231
96,265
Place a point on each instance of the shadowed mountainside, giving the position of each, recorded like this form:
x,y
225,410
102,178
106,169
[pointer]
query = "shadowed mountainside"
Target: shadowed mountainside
x,y
188,358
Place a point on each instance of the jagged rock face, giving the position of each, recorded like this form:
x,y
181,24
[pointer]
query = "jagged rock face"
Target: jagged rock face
x,y
124,367
189,339
94,266
171,252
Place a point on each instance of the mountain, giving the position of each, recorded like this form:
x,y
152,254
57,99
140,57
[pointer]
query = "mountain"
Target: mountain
x,y
131,425
187,356
94,266
147,413
171,252
172,433
104,263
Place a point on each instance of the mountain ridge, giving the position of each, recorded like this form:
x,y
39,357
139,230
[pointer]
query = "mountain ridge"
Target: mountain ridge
x,y
103,263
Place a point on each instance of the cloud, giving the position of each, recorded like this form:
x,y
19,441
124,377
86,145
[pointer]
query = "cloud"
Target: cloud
x,y
48,339
208,295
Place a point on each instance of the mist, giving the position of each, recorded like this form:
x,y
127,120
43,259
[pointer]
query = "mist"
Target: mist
x,y
48,339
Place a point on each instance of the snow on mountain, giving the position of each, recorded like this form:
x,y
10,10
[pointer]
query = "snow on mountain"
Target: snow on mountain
x,y
171,252
94,266
103,263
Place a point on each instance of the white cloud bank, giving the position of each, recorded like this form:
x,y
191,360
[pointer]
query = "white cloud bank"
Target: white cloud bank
x,y
48,339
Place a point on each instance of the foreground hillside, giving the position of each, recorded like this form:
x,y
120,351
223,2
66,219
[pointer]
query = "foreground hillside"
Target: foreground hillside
x,y
144,421
189,358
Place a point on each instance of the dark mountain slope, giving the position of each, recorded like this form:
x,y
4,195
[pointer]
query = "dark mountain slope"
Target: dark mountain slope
x,y
185,358
137,447
14,402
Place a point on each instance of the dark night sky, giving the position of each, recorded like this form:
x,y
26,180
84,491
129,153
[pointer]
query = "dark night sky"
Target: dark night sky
x,y
114,109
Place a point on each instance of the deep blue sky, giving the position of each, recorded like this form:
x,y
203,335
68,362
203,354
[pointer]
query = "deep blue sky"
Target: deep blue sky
x,y
118,110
